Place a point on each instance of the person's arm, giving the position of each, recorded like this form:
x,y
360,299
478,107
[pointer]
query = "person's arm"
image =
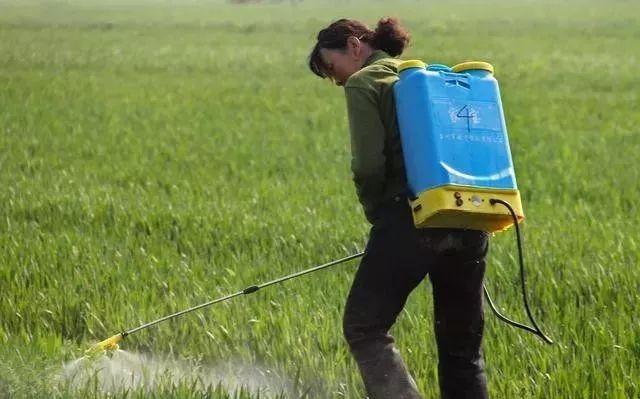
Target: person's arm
x,y
367,146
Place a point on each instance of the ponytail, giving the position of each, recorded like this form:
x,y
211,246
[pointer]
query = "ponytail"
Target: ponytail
x,y
390,36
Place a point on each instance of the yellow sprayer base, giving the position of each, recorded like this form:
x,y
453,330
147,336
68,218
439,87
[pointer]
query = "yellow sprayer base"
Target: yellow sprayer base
x,y
466,208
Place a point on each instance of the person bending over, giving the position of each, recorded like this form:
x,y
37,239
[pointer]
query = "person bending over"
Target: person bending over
x,y
398,256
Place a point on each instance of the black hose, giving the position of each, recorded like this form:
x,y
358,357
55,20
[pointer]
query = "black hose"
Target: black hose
x,y
535,329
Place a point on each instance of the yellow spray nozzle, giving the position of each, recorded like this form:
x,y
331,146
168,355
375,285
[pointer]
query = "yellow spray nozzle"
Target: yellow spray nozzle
x,y
108,345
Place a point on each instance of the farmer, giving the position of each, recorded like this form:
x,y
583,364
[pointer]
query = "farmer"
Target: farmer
x,y
398,256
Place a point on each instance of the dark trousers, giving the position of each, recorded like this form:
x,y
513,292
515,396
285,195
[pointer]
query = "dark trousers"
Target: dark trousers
x,y
397,258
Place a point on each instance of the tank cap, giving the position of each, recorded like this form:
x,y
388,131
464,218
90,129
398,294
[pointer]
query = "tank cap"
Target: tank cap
x,y
467,66
411,64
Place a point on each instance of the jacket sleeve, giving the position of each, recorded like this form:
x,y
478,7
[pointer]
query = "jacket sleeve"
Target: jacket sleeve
x,y
367,146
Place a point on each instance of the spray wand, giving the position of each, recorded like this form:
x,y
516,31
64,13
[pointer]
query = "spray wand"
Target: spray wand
x,y
111,343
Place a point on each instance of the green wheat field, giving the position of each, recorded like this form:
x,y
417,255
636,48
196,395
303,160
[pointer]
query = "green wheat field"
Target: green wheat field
x,y
158,154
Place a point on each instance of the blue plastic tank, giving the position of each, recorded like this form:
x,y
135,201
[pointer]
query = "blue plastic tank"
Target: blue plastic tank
x,y
455,145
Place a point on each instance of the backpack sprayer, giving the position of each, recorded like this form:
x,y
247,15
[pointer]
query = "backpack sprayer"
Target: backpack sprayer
x,y
457,156
458,164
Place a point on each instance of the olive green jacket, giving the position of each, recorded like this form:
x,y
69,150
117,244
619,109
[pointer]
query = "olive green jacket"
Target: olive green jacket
x,y
376,152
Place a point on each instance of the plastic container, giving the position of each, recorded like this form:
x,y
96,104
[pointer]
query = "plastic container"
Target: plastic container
x,y
455,146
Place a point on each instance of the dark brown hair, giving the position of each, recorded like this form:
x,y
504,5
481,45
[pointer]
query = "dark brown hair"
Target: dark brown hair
x,y
388,36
